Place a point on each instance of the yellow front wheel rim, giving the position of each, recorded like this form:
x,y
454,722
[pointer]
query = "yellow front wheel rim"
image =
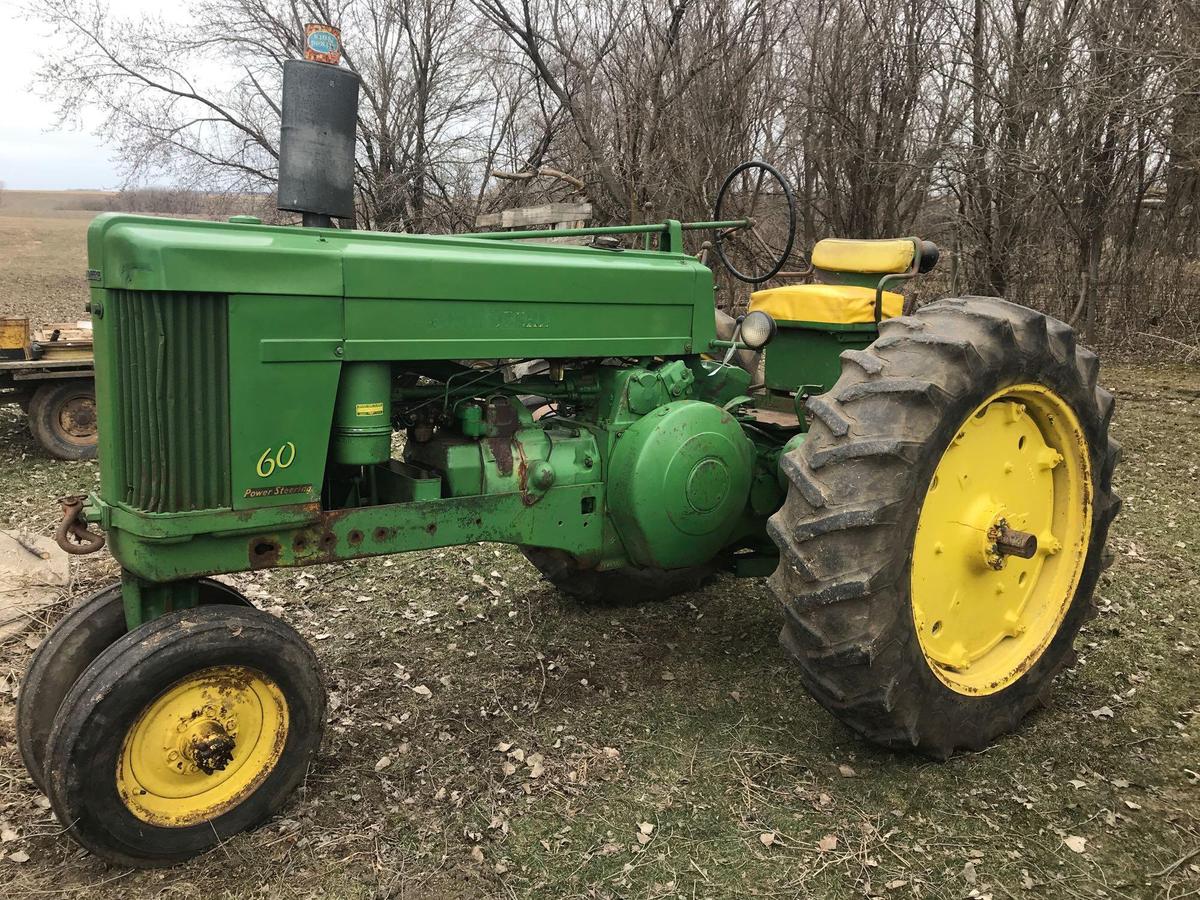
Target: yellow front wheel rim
x,y
203,746
983,616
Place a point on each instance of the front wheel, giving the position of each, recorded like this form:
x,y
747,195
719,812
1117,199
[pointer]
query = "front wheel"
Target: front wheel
x,y
186,731
945,524
87,629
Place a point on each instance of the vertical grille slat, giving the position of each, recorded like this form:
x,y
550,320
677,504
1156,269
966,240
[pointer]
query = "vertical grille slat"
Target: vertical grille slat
x,y
173,391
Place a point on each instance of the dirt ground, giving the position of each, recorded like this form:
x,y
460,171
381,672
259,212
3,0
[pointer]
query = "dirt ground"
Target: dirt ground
x,y
664,750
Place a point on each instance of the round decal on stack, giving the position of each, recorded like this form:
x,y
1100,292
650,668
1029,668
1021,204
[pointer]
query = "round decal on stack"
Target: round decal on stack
x,y
322,43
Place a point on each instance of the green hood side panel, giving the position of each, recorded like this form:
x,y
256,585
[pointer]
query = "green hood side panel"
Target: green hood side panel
x,y
424,297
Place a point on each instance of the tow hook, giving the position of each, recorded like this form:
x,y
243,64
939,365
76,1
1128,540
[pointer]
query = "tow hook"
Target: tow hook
x,y
74,527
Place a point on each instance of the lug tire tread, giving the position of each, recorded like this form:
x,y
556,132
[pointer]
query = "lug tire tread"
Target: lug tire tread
x,y
854,497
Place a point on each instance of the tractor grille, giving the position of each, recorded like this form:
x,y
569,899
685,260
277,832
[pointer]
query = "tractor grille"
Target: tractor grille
x,y
172,400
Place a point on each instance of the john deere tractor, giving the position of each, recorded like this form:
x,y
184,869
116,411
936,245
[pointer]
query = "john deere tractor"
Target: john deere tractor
x,y
929,492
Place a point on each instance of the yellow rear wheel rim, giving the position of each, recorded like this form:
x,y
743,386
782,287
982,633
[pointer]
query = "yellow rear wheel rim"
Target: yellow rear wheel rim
x,y
203,746
983,617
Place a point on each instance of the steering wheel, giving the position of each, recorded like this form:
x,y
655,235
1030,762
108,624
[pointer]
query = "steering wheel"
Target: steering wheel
x,y
741,247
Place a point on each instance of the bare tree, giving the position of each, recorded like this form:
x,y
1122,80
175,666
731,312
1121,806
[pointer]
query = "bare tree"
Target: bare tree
x,y
173,110
644,86
1052,146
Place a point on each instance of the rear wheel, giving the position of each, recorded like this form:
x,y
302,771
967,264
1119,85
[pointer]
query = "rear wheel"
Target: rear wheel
x,y
76,639
186,731
632,584
945,524
62,418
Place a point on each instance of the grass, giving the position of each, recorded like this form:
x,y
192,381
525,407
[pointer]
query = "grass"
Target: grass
x,y
683,716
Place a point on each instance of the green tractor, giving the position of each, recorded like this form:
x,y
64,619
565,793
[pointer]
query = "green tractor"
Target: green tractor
x,y
929,492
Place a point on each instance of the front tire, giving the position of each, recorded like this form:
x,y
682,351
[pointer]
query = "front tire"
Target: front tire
x,y
86,631
194,727
908,624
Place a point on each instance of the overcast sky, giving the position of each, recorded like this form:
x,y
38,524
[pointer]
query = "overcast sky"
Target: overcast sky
x,y
34,155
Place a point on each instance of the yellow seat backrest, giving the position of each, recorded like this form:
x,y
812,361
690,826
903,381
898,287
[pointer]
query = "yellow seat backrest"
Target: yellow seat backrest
x,y
866,257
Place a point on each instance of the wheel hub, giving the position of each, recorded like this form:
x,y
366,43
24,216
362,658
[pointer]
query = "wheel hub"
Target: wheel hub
x,y
989,583
77,419
206,743
209,747
1003,542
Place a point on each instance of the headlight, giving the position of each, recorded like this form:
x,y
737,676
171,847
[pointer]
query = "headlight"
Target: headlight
x,y
757,330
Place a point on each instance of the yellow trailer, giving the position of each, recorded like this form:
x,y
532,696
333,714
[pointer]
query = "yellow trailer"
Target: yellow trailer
x,y
48,371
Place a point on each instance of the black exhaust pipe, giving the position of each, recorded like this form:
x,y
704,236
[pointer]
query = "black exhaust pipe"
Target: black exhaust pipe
x,y
319,118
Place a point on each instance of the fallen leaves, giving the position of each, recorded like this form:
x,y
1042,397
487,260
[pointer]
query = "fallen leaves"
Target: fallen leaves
x,y
767,838
1075,843
827,844
1104,712
535,763
422,691
846,772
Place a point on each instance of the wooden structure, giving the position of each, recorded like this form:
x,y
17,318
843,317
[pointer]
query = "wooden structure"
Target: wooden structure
x,y
551,216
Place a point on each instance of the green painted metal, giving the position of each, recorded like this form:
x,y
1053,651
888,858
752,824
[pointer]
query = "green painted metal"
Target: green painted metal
x,y
146,600
168,399
677,483
362,415
249,379
519,300
280,412
568,517
805,356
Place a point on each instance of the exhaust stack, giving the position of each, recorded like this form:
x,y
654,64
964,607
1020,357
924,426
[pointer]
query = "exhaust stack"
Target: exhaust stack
x,y
316,142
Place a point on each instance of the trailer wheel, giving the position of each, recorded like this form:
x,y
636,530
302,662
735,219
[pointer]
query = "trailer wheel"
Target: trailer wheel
x,y
62,418
194,727
632,584
77,638
945,524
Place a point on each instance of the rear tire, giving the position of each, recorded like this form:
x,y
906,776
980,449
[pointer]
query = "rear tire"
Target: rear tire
x,y
629,585
62,419
848,530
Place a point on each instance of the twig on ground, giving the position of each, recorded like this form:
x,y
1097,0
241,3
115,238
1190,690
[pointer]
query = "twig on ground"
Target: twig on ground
x,y
1191,854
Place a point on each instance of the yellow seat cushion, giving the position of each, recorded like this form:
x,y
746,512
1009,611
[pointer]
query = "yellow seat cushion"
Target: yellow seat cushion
x,y
832,304
867,257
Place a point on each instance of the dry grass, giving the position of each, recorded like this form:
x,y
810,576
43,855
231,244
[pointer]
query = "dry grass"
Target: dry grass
x,y
43,256
683,716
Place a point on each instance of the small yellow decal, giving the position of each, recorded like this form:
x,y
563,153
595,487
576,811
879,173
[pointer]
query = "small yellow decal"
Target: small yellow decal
x,y
368,409
268,463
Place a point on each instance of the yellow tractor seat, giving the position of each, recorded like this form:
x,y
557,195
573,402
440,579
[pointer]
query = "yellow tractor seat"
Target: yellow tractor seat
x,y
831,304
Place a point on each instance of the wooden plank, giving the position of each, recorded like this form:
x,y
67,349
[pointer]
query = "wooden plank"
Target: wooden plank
x,y
561,215
35,364
56,373
549,214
